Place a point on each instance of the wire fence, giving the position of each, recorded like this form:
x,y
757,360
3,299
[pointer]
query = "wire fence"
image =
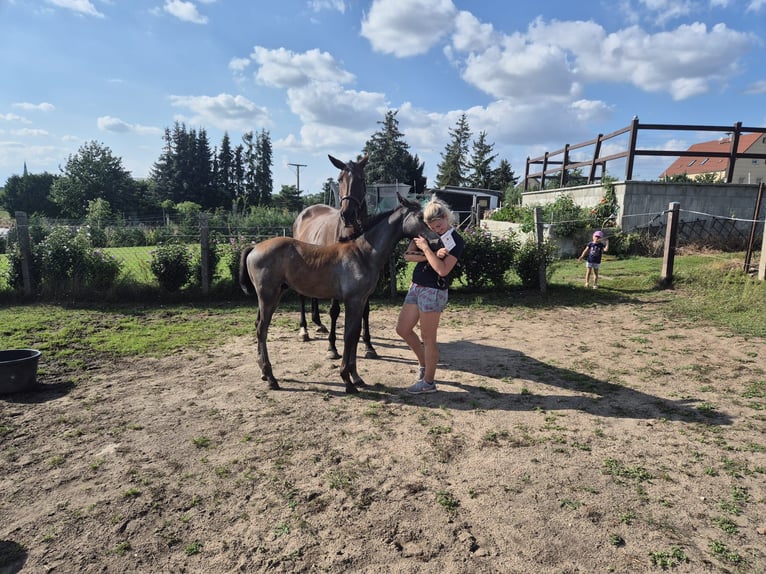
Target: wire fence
x,y
134,243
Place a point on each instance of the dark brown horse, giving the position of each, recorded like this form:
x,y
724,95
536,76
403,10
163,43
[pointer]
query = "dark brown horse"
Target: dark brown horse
x,y
346,272
325,225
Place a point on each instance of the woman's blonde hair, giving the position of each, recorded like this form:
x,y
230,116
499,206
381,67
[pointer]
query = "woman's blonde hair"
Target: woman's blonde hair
x,y
437,209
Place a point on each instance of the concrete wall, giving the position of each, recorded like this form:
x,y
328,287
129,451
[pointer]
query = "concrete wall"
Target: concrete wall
x,y
642,202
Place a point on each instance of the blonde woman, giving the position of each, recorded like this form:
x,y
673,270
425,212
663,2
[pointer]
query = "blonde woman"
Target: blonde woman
x,y
427,295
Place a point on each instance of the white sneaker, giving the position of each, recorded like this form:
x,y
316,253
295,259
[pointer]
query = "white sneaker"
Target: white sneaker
x,y
422,387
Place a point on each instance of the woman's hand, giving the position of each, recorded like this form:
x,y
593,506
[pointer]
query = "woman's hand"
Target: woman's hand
x,y
421,243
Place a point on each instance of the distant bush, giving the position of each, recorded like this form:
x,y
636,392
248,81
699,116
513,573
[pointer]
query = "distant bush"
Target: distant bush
x,y
487,258
64,262
171,265
530,256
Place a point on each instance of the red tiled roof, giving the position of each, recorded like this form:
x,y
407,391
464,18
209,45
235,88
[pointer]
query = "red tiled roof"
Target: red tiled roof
x,y
697,165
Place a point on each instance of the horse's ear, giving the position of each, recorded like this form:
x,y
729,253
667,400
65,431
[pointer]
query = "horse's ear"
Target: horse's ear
x,y
337,163
363,162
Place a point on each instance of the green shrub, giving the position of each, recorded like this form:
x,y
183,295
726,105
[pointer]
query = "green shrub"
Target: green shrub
x,y
121,236
171,264
487,258
528,259
64,262
63,259
102,270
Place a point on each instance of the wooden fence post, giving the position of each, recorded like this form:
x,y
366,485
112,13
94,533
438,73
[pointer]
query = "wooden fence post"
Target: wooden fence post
x,y
762,264
539,233
671,240
204,252
22,228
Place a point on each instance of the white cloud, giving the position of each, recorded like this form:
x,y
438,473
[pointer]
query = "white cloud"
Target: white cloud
x,y
116,125
81,6
285,69
755,5
758,87
43,106
224,111
329,104
27,132
186,11
14,118
239,64
408,27
555,59
319,5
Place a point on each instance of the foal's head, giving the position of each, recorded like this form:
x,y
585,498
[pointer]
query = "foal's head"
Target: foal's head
x,y
352,190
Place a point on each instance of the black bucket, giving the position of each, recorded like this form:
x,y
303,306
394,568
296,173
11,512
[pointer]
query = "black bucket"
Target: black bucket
x,y
18,370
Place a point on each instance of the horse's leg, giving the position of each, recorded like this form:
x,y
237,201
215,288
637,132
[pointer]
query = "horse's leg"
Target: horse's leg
x,y
303,333
351,332
370,352
265,312
315,316
332,350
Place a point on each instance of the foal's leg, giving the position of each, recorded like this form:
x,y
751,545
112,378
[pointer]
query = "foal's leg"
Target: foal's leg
x,y
351,332
303,333
370,352
332,350
315,316
265,312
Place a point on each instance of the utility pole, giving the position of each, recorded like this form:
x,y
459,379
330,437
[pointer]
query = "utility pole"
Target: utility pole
x,y
298,167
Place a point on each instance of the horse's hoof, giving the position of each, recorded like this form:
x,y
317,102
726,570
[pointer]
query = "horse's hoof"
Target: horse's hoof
x,y
331,354
371,354
274,386
304,338
351,389
322,329
360,383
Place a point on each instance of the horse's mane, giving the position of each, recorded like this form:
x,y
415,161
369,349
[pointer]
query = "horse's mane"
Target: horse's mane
x,y
368,224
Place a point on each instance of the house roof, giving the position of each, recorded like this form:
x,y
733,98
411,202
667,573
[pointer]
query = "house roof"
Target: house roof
x,y
698,165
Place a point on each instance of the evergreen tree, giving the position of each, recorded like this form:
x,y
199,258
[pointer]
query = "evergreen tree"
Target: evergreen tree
x,y
390,159
503,178
249,194
289,199
224,184
239,175
264,182
480,163
452,168
200,187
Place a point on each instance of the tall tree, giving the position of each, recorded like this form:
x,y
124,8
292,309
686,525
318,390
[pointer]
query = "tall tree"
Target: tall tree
x,y
29,193
200,179
92,173
480,164
503,178
451,170
248,196
264,181
390,159
289,199
224,184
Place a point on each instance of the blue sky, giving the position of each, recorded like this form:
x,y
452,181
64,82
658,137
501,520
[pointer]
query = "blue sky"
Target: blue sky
x,y
319,75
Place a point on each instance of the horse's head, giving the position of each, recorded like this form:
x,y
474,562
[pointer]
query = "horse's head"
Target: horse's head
x,y
352,190
412,223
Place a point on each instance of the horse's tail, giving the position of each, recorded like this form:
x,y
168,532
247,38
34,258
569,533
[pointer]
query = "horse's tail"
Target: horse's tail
x,y
244,277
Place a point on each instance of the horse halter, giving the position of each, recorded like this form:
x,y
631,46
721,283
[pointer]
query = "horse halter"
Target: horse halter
x,y
356,205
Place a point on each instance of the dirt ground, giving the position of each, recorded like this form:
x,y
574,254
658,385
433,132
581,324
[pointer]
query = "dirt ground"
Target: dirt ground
x,y
568,440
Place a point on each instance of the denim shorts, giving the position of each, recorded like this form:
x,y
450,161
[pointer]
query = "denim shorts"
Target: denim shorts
x,y
427,299
592,265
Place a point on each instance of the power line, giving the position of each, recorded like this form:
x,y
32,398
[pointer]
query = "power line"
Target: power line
x,y
298,167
